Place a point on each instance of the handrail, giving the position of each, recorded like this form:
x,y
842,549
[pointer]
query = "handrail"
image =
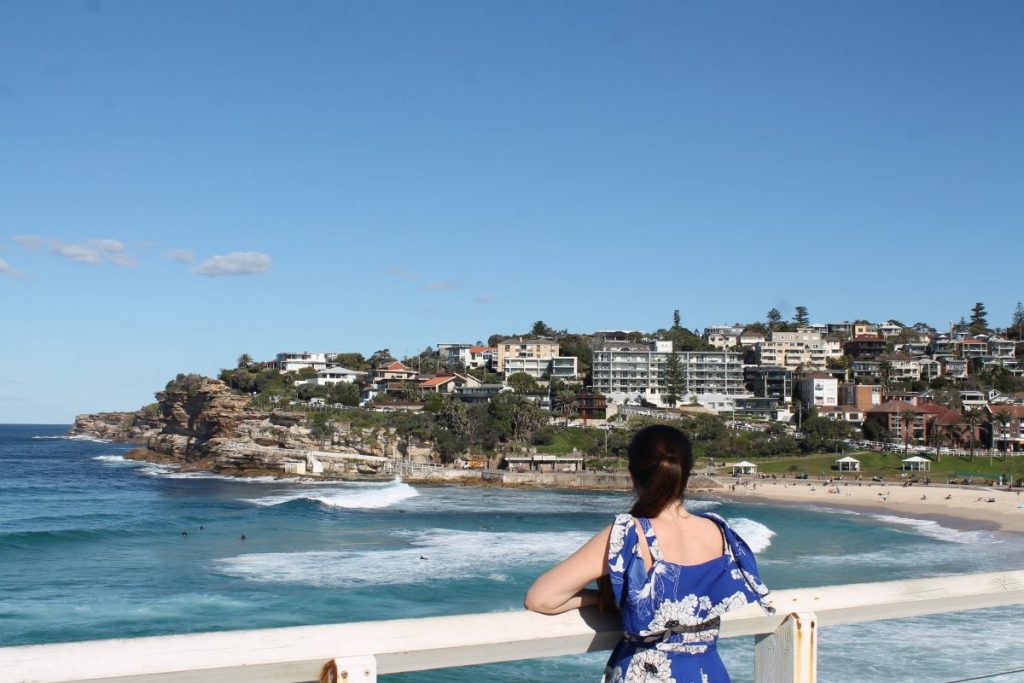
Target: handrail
x,y
288,655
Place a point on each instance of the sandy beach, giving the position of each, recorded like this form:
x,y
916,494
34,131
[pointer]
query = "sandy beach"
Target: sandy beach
x,y
966,508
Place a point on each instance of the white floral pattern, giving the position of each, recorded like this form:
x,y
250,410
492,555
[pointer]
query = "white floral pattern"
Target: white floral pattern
x,y
649,666
671,613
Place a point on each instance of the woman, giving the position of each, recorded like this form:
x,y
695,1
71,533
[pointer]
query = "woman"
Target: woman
x,y
671,573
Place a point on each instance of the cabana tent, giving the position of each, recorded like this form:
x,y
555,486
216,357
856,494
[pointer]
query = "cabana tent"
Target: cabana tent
x,y
848,464
744,468
917,464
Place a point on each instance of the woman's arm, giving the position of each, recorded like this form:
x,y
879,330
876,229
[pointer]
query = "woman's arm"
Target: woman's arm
x,y
563,587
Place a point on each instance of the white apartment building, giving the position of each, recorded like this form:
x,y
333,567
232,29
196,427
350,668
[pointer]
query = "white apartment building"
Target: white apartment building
x,y
335,375
292,362
801,348
1005,349
629,372
558,367
903,368
819,390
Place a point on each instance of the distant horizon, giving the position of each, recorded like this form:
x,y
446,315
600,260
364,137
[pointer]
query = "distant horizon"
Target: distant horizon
x,y
193,182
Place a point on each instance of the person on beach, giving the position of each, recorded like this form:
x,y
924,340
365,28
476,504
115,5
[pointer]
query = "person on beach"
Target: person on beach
x,y
669,573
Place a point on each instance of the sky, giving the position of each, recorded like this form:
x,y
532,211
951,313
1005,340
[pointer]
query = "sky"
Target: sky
x,y
182,182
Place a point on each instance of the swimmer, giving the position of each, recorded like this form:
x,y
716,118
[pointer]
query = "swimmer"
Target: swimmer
x,y
242,537
200,527
184,533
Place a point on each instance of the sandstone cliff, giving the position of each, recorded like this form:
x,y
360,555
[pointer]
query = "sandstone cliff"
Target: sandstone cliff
x,y
200,423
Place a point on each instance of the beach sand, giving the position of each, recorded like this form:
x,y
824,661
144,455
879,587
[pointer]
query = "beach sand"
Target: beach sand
x,y
959,508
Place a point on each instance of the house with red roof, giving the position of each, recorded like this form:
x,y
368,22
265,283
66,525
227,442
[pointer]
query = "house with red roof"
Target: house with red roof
x,y
448,383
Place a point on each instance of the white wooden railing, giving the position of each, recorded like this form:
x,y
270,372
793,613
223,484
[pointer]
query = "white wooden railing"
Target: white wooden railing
x,y
785,647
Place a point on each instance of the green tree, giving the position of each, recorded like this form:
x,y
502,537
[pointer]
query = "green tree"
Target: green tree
x,y
774,319
885,372
675,381
540,329
973,417
567,403
979,319
522,382
515,416
907,418
1017,323
244,361
676,320
1004,417
381,357
801,317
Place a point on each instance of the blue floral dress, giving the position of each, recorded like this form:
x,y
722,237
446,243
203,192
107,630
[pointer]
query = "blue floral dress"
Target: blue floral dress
x,y
671,614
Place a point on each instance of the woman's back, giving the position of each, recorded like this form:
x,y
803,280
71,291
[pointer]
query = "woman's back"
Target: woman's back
x,y
671,609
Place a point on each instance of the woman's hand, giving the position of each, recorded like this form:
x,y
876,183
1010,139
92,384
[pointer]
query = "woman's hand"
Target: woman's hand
x,y
563,587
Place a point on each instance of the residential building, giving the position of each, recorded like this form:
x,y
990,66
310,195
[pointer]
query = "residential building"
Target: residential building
x,y
591,406
943,345
865,330
769,381
556,367
334,375
865,347
764,407
930,368
723,336
928,417
448,383
482,393
902,368
1009,436
818,390
843,413
636,372
396,371
998,347
890,328
954,368
803,348
536,348
971,347
751,338
865,369
861,396
295,361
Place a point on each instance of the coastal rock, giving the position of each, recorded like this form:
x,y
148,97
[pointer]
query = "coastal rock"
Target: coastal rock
x,y
134,427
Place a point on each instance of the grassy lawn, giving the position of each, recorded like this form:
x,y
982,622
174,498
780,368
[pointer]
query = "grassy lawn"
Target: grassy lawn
x,y
887,465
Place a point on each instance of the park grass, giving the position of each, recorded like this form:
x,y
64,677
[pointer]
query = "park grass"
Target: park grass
x,y
889,465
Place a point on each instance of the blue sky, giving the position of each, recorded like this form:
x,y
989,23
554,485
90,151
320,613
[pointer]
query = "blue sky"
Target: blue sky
x,y
181,182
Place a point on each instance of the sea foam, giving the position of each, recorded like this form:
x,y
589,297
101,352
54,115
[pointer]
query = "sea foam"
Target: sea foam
x,y
757,535
931,529
346,496
431,555
75,437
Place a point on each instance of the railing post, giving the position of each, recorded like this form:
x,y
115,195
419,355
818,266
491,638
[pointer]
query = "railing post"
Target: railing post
x,y
790,653
356,669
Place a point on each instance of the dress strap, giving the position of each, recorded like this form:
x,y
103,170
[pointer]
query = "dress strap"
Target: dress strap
x,y
652,540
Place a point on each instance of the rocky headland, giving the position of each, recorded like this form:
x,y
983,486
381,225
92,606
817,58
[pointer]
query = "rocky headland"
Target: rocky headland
x,y
201,424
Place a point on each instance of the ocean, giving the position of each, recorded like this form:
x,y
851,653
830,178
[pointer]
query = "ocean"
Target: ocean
x,y
94,546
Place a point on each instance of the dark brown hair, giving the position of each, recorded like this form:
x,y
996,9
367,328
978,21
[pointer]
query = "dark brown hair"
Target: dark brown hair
x,y
660,462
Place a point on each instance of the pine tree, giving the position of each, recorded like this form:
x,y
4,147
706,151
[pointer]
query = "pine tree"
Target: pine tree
x,y
1018,321
675,382
774,318
979,319
801,317
677,321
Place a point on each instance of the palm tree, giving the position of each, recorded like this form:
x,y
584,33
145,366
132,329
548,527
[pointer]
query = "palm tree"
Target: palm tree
x,y
973,418
244,361
567,403
885,371
907,418
1004,417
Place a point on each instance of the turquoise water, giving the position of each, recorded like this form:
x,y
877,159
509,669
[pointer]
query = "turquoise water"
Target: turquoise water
x,y
91,546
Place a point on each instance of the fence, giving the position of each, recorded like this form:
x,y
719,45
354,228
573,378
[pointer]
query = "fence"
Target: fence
x,y
785,644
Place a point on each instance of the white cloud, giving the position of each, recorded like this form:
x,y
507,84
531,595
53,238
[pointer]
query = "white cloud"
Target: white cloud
x,y
442,285
180,255
402,273
30,241
235,263
78,253
8,270
483,299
